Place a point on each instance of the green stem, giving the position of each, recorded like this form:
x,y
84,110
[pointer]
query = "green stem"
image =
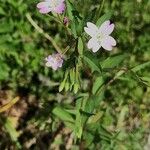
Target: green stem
x,y
41,31
100,9
66,49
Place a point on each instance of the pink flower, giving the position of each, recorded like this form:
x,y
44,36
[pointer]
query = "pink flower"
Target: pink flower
x,y
100,37
54,61
56,6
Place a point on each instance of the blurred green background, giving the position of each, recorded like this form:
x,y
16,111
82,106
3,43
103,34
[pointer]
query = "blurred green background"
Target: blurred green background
x,y
125,108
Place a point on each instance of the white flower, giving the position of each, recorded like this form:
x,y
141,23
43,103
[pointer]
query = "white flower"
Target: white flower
x,y
100,37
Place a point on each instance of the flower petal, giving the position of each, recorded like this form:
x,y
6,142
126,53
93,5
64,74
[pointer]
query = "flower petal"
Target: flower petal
x,y
60,8
92,26
94,45
96,48
91,29
90,32
45,10
42,5
106,28
108,43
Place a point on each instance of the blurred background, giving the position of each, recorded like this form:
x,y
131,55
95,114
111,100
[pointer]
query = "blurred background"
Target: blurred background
x,y
30,123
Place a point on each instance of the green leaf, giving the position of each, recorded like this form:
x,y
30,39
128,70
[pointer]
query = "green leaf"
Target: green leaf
x,y
80,46
92,63
75,19
11,130
4,71
141,66
113,61
97,84
104,133
76,88
67,86
62,114
70,9
2,12
78,122
6,26
62,84
121,117
103,18
72,76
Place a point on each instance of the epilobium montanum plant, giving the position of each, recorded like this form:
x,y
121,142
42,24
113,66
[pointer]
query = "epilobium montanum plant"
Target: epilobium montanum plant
x,y
76,57
66,14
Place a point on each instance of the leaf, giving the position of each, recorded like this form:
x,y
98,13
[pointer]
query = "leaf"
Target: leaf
x,y
113,61
104,18
72,76
75,19
62,84
67,86
104,133
62,114
92,63
97,84
2,12
11,130
76,88
95,118
121,117
141,66
80,46
4,71
6,26
70,9
78,122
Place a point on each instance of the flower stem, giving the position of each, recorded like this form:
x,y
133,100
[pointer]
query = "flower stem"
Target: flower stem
x,y
100,9
66,49
41,31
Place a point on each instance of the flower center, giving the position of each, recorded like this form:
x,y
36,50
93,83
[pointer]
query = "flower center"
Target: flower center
x,y
99,37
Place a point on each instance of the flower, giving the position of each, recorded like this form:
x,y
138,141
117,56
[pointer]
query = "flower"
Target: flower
x,y
100,37
54,61
56,6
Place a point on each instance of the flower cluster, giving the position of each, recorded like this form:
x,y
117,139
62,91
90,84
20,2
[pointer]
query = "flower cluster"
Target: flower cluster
x,y
100,36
